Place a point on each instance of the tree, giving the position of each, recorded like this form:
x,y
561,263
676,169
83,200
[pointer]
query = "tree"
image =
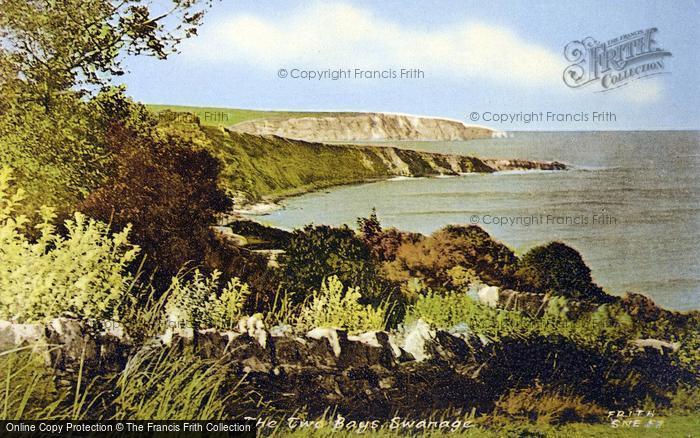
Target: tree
x,y
52,55
50,47
167,190
383,243
62,156
558,269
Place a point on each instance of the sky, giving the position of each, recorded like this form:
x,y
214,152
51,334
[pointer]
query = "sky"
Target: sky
x,y
495,63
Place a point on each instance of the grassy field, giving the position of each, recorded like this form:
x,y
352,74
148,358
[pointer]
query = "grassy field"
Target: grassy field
x,y
214,116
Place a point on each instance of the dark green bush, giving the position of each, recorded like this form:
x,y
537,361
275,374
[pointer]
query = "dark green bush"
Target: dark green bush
x,y
318,252
558,269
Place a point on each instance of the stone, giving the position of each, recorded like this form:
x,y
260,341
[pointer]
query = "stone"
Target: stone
x,y
416,339
489,296
657,344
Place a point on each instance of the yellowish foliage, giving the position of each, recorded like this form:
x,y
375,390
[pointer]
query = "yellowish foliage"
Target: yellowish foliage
x,y
82,273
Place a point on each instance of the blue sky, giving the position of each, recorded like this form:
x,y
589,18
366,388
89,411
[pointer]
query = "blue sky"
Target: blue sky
x,y
476,56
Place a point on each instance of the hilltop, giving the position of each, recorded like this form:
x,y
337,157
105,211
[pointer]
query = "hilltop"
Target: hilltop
x,y
331,126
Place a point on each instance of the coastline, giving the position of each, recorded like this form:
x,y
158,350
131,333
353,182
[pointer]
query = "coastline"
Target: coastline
x,y
271,203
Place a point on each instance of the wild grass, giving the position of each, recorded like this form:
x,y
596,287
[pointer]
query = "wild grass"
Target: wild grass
x,y
167,384
156,384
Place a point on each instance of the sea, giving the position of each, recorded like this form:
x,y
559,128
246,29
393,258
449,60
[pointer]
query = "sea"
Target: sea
x,y
630,204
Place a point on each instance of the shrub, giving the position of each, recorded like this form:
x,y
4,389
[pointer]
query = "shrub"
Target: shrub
x,y
558,269
607,327
60,155
167,191
432,258
82,273
445,310
333,306
199,302
316,253
383,244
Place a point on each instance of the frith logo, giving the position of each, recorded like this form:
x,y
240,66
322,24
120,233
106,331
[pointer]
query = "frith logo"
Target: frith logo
x,y
616,62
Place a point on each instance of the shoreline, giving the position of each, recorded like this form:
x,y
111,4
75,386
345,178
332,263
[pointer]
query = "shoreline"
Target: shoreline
x,y
272,203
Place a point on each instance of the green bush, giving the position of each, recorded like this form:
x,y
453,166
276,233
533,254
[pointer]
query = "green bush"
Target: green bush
x,y
199,302
315,253
607,327
333,306
60,155
82,273
558,269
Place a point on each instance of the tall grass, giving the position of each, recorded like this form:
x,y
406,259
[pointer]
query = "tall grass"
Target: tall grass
x,y
604,328
172,385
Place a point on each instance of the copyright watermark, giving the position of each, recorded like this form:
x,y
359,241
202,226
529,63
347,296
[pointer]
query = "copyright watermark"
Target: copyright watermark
x,y
596,219
339,74
543,117
611,64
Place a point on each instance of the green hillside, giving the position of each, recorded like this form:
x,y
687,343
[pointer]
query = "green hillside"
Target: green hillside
x,y
260,167
215,116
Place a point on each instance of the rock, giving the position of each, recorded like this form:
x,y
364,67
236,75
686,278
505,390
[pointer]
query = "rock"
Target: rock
x,y
416,340
228,234
414,370
281,330
661,346
19,335
332,335
81,345
489,296
364,127
255,328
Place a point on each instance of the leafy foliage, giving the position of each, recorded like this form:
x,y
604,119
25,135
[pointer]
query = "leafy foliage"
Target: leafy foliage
x,y
62,155
384,244
52,46
167,190
607,327
82,273
432,259
333,306
559,269
198,302
316,253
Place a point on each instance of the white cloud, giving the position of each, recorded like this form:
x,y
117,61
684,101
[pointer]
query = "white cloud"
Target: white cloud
x,y
344,36
641,91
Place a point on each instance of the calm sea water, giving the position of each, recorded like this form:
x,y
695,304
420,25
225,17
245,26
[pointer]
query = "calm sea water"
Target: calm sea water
x,y
630,205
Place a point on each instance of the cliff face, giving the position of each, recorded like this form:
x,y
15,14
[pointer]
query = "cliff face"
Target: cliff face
x,y
363,127
255,167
